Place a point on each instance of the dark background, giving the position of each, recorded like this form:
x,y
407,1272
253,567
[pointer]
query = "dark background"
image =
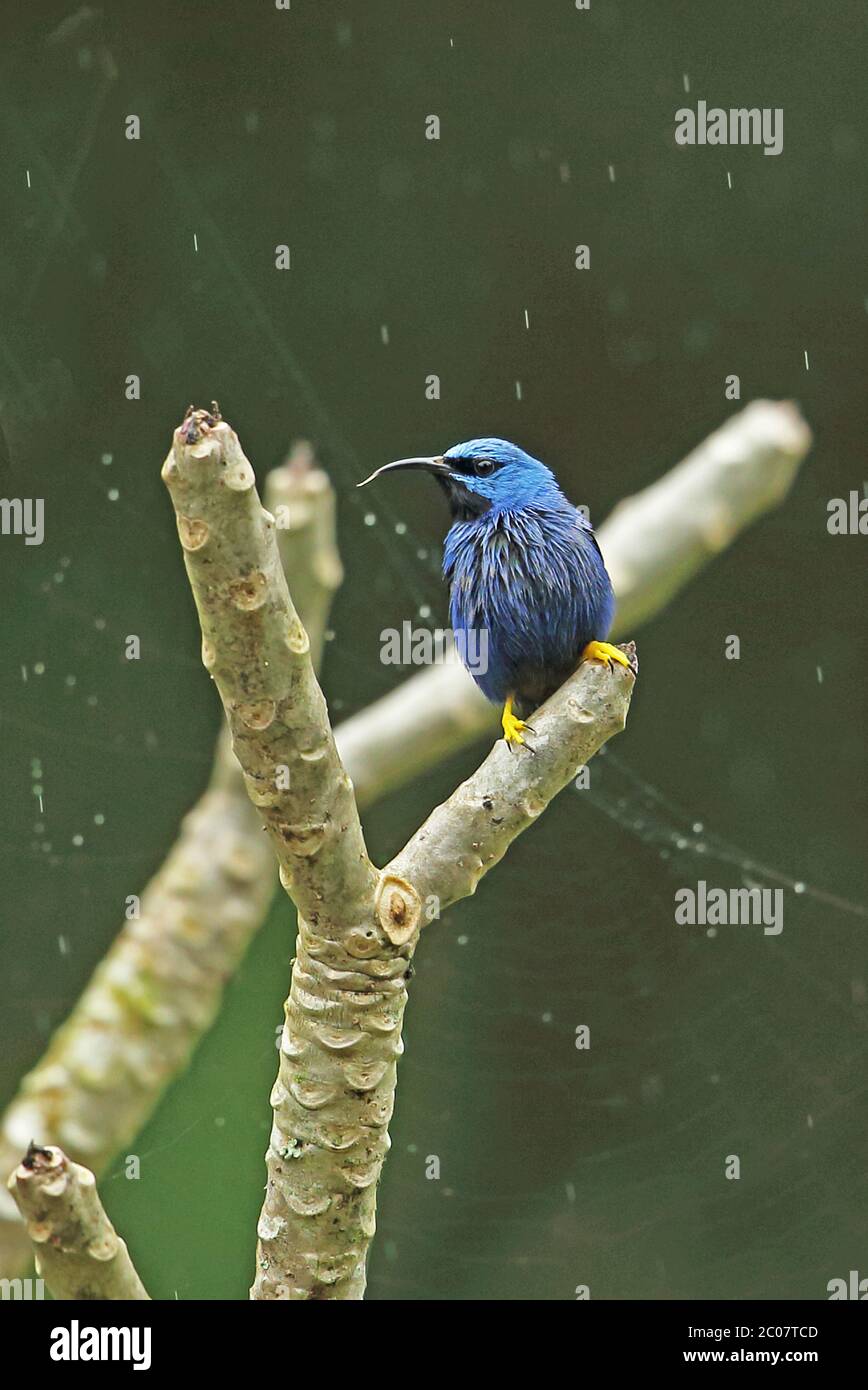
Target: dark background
x,y
261,127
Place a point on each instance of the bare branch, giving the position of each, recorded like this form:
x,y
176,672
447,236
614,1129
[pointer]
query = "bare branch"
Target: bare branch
x,y
258,654
302,500
471,832
332,1100
335,1090
161,984
655,541
78,1251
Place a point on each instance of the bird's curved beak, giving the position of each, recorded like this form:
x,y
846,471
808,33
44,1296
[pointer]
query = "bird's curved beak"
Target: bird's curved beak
x,y
430,465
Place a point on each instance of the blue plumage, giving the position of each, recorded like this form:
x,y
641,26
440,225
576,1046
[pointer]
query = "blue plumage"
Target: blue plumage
x,y
522,565
527,570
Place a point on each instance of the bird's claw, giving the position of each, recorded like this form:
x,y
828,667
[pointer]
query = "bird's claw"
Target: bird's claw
x,y
514,730
605,652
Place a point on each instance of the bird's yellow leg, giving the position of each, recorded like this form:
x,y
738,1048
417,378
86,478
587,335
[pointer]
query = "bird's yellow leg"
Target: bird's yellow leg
x,y
604,651
513,728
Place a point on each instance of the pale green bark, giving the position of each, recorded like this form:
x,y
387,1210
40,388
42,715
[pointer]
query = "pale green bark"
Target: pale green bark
x,y
344,1010
335,1090
468,834
161,984
258,654
78,1251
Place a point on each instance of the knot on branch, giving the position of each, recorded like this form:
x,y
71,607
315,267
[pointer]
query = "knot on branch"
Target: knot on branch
x,y
399,908
256,714
302,840
193,532
249,592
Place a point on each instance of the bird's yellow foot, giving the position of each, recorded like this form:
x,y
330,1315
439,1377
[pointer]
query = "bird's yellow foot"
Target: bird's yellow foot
x,y
513,728
605,652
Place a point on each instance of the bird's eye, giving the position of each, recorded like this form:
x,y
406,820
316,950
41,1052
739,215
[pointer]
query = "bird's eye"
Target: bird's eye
x,y
484,467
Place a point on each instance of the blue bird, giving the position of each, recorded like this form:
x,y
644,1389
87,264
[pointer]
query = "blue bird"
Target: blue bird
x,y
523,567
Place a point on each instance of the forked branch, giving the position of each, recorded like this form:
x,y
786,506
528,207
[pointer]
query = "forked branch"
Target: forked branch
x,y
358,926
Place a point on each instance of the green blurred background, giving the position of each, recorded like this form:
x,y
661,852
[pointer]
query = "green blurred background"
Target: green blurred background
x,y
261,127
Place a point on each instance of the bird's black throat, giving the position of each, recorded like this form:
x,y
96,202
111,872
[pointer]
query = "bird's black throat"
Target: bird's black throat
x,y
464,505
